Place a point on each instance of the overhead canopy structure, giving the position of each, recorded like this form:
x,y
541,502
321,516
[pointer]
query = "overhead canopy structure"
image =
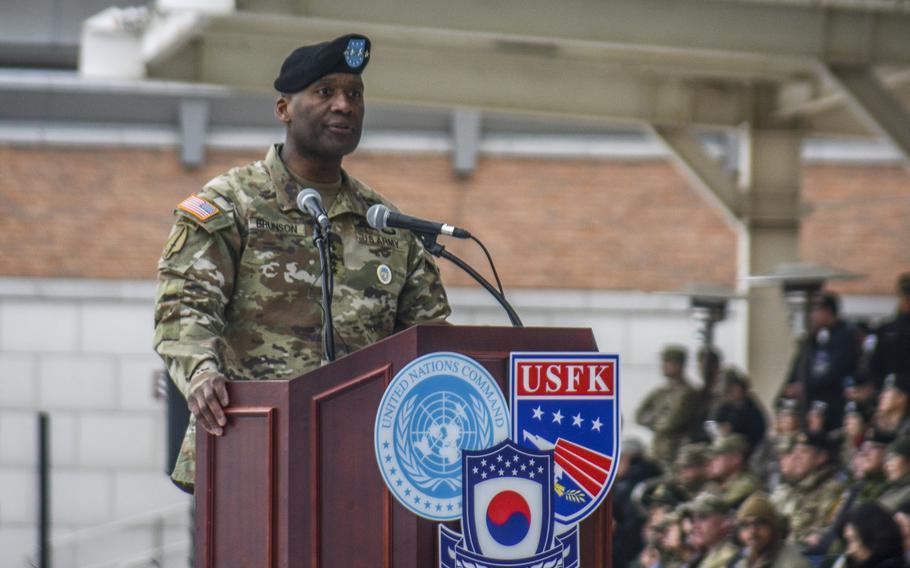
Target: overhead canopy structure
x,y
666,62
771,71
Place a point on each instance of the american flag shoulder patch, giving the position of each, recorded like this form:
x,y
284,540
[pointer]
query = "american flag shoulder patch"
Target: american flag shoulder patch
x,y
198,208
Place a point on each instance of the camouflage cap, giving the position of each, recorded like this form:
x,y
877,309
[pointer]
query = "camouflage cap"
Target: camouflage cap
x,y
693,455
757,506
662,494
734,443
706,504
900,447
676,353
669,519
899,381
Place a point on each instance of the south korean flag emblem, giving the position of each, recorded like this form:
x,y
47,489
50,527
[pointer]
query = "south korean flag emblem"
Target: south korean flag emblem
x,y
508,501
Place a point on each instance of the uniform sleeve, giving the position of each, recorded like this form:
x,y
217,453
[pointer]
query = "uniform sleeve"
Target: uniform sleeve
x,y
195,282
644,415
679,413
423,298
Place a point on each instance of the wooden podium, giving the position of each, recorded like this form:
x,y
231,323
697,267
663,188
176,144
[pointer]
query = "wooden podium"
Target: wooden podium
x,y
294,480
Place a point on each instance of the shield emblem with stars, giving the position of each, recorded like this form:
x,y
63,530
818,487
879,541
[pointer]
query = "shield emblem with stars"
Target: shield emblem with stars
x,y
508,496
356,53
569,403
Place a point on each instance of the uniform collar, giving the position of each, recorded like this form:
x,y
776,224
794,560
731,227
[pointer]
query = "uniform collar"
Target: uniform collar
x,y
286,188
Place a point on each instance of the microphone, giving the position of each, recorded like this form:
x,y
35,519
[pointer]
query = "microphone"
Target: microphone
x,y
381,217
309,201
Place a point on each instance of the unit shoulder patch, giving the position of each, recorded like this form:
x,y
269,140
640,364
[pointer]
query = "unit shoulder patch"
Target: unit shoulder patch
x,y
176,241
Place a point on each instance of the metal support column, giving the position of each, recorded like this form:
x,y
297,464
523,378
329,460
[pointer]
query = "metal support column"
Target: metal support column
x,y
770,235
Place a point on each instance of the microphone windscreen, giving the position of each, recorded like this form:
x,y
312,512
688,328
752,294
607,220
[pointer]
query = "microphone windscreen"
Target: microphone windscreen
x,y
303,196
377,216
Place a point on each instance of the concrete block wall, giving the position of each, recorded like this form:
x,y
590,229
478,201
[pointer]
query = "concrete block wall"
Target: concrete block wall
x,y
81,350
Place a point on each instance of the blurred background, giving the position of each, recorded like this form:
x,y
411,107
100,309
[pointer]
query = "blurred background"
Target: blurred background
x,y
604,151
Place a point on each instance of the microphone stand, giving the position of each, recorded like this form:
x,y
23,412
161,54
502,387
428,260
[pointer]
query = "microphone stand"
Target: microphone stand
x,y
436,249
320,239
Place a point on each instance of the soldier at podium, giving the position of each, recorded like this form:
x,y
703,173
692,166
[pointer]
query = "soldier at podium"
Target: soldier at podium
x,y
239,294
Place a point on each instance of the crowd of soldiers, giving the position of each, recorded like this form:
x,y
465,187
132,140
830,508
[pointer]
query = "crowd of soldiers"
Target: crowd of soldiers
x,y
827,483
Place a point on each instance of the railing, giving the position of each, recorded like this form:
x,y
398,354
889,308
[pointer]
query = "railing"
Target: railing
x,y
85,548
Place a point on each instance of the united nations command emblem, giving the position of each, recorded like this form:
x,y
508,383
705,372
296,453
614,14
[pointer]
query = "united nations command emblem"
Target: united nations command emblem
x,y
436,407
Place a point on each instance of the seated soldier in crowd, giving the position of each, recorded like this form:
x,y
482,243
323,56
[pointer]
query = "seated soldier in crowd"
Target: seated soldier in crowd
x,y
897,471
816,491
868,483
666,547
853,434
762,533
712,532
765,461
893,411
690,471
739,410
816,416
729,477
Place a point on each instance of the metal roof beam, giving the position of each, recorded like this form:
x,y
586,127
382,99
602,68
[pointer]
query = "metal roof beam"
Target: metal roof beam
x,y
820,31
872,100
714,181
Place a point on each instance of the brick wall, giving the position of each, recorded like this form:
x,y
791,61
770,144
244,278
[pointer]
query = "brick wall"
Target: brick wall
x,y
582,224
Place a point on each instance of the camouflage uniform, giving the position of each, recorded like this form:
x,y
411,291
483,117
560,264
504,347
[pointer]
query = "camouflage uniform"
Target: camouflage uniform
x,y
720,555
240,290
895,493
813,503
671,411
736,489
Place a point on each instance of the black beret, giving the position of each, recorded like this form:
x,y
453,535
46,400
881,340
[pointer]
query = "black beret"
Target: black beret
x,y
305,65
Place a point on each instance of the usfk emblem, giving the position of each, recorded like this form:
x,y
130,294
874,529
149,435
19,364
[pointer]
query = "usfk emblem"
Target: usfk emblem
x,y
436,407
569,403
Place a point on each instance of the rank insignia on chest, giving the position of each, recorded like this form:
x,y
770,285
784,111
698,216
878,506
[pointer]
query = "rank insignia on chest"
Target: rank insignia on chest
x,y
198,208
384,273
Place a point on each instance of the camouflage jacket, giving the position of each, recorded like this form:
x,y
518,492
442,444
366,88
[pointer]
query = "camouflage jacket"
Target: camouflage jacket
x,y
240,288
894,493
814,502
736,489
672,412
719,556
